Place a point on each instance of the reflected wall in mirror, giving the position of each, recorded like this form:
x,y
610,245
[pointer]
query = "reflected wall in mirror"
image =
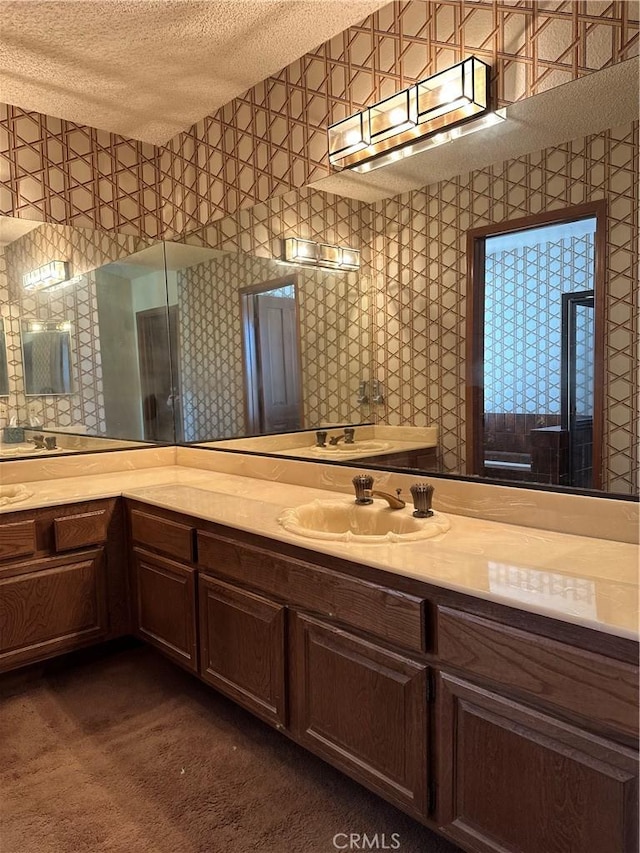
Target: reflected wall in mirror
x,y
414,250
46,357
73,349
333,345
4,369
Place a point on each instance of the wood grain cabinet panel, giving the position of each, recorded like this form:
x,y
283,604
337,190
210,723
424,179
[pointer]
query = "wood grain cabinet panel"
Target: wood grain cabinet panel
x,y
393,616
513,779
165,606
170,537
17,539
593,686
242,648
80,530
53,606
362,708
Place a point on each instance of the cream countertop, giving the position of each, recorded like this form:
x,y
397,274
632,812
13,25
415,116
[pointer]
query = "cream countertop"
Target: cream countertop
x,y
577,579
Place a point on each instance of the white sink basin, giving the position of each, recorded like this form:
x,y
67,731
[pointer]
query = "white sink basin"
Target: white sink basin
x,y
13,494
352,449
339,520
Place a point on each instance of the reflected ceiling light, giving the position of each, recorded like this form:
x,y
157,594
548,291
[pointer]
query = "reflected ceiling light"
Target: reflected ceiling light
x,y
48,275
443,107
298,251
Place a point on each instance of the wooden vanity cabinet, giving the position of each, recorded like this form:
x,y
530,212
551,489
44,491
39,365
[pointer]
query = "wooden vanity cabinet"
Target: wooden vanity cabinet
x,y
62,581
503,730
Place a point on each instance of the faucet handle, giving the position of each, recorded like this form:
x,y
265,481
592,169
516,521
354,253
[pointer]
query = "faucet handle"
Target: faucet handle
x,y
349,434
363,483
422,494
321,438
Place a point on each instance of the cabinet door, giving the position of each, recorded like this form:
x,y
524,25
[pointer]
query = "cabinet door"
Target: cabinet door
x,y
242,648
165,607
362,708
51,606
511,778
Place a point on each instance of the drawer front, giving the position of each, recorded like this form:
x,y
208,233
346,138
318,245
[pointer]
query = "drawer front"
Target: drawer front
x,y
593,686
17,539
81,530
168,537
394,616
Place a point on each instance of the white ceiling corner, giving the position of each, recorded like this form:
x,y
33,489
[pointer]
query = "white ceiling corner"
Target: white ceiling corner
x,y
149,69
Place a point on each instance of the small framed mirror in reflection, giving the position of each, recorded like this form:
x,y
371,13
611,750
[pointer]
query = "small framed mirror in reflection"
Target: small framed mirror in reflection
x,y
47,356
4,367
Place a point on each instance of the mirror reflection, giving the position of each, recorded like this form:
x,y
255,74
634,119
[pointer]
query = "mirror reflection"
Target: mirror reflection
x,y
46,354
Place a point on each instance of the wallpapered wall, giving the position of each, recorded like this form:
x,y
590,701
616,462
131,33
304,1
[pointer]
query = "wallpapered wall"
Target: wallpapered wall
x,y
86,250
414,252
273,138
334,335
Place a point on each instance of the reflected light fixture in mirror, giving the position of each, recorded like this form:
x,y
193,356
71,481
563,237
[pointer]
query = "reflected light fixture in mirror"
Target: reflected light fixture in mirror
x,y
432,112
46,276
298,251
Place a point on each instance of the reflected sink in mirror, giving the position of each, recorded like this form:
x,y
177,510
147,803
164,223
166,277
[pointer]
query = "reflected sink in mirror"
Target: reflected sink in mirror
x,y
21,449
13,494
357,447
345,521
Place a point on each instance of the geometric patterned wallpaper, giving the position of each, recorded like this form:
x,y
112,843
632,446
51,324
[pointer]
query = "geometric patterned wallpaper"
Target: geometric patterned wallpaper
x,y
273,138
53,170
86,250
419,260
333,313
414,277
523,322
235,180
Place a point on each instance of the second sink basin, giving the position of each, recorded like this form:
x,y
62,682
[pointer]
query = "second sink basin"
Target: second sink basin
x,y
345,521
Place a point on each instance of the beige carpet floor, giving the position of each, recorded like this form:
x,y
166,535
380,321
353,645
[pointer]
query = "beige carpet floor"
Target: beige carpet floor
x,y
128,754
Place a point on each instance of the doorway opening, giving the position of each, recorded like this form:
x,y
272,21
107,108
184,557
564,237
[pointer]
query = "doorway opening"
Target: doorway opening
x,y
535,349
272,364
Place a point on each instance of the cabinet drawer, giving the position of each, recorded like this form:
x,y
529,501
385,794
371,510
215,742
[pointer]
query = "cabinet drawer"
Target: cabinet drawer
x,y
394,616
17,539
168,537
591,685
80,530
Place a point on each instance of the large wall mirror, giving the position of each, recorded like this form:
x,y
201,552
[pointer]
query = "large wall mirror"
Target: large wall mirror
x,y
227,347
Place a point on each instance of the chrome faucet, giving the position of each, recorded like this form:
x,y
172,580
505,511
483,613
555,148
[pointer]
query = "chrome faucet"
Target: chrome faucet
x,y
365,492
38,440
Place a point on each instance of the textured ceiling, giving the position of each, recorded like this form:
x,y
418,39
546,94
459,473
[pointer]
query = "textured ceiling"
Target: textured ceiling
x,y
149,69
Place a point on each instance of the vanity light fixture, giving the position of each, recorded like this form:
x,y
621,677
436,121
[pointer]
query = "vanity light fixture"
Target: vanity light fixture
x,y
325,255
48,275
443,107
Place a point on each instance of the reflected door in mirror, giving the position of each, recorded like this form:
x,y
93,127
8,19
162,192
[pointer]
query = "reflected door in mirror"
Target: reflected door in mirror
x,y
272,359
